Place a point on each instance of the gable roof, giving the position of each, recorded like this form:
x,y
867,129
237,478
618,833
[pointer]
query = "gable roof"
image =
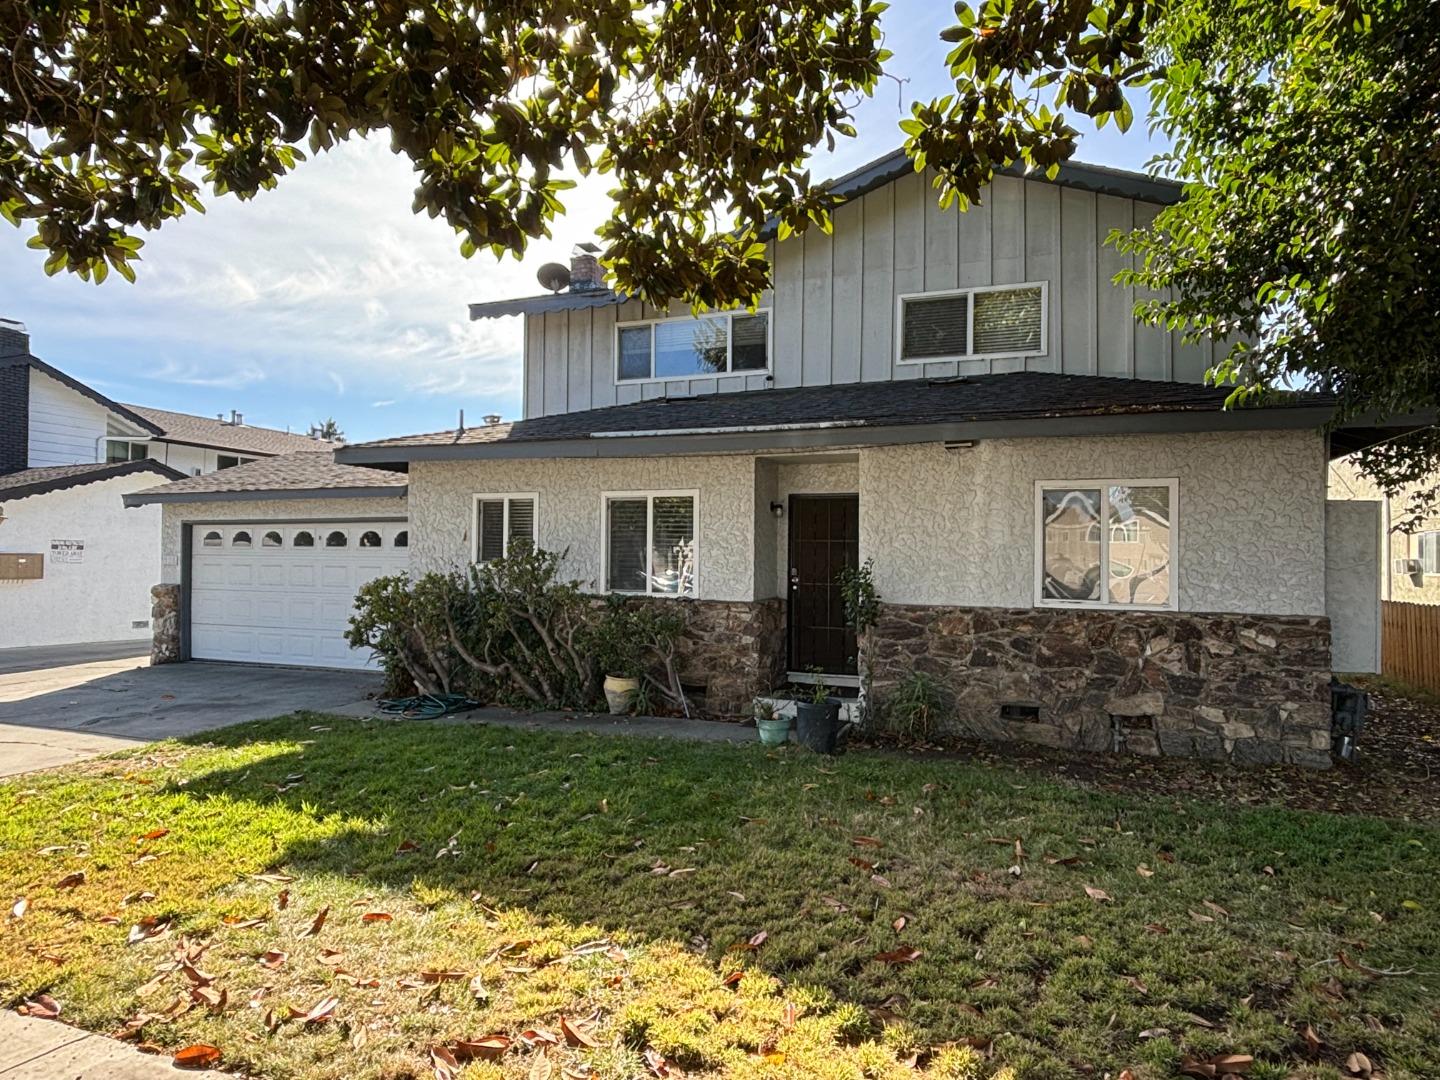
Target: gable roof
x,y
904,410
36,364
218,434
304,475
1101,179
48,478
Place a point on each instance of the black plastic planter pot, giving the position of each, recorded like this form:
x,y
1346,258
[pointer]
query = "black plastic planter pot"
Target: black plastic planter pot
x,y
816,725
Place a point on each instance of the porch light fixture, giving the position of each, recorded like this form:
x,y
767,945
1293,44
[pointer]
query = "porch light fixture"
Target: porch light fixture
x,y
778,509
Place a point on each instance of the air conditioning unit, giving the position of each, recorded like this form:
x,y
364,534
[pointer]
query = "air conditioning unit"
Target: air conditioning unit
x,y
1407,567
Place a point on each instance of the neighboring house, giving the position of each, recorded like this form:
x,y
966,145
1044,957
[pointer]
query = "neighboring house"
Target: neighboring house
x,y
75,565
261,563
1068,531
1410,569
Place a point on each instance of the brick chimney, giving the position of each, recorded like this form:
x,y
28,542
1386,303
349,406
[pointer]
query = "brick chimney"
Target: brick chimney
x,y
585,275
14,398
14,338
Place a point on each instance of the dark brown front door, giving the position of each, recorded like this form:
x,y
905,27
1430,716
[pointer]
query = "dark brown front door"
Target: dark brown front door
x,y
824,539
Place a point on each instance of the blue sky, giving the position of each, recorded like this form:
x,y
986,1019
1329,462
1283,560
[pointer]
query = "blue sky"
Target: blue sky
x,y
328,297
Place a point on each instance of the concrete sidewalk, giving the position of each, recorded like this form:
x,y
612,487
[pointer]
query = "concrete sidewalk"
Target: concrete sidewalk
x,y
33,1049
660,727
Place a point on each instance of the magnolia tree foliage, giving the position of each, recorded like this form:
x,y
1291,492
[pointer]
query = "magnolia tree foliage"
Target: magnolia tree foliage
x,y
1304,131
118,114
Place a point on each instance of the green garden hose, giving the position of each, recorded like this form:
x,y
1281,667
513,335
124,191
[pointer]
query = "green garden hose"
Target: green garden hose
x,y
425,706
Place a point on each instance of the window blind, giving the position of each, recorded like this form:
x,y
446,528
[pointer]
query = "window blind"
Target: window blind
x,y
1007,321
936,328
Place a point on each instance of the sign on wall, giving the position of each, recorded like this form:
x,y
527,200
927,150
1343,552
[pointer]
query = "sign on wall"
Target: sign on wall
x,y
67,551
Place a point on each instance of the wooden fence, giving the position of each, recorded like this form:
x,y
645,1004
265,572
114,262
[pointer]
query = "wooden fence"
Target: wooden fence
x,y
1410,643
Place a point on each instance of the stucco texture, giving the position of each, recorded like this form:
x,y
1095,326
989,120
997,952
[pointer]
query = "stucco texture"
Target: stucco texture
x,y
569,511
98,597
957,527
1352,583
176,515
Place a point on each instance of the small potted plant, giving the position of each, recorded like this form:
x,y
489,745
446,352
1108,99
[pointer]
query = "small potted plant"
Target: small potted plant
x,y
817,721
774,729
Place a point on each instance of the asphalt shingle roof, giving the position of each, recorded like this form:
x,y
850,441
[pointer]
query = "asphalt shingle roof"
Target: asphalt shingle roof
x,y
1014,396
220,435
313,470
47,478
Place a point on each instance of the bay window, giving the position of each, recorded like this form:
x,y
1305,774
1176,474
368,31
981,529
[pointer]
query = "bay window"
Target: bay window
x,y
650,542
1106,543
726,343
499,521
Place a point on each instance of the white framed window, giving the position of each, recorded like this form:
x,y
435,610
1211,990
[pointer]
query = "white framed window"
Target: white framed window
x,y
1429,552
501,519
651,542
125,450
230,461
984,322
722,343
1106,543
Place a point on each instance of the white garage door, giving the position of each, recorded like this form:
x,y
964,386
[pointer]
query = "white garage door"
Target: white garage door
x,y
284,594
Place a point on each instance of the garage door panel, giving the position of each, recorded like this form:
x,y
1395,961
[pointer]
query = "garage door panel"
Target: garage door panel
x,y
283,604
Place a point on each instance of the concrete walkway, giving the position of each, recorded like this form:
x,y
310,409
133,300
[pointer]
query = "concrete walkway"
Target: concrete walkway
x,y
33,1049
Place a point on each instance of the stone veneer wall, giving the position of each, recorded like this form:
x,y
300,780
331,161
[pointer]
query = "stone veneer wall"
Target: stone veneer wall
x,y
1247,688
734,649
165,624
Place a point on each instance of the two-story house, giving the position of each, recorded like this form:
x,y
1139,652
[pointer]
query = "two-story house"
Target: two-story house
x,y
1067,529
75,564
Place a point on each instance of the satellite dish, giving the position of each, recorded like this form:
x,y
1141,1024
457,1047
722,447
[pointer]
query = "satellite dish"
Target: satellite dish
x,y
554,276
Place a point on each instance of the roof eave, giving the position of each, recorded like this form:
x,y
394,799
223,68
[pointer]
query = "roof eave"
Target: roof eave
x,y
863,434
159,495
94,395
65,483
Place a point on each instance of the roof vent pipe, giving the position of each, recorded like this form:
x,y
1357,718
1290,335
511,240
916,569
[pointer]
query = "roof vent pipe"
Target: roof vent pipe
x,y
491,419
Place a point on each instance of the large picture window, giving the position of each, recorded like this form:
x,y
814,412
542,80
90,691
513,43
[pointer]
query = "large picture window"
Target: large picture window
x,y
728,343
650,543
1105,543
500,520
962,324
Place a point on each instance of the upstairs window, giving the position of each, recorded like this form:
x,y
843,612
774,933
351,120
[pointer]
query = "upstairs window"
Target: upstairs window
x,y
729,343
229,461
1105,543
650,543
500,520
117,450
961,324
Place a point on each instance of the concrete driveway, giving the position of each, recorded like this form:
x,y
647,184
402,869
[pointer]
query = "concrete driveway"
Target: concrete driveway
x,y
76,705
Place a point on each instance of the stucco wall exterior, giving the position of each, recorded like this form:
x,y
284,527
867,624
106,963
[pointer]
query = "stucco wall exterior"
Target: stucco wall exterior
x,y
569,512
297,510
98,597
958,527
944,527
1352,583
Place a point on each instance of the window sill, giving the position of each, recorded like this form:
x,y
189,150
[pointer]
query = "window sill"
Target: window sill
x,y
651,380
922,361
1094,605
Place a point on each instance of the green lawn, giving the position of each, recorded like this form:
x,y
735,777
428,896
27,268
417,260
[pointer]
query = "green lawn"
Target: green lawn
x,y
619,883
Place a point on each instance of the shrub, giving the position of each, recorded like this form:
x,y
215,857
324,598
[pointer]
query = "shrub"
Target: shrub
x,y
405,623
916,707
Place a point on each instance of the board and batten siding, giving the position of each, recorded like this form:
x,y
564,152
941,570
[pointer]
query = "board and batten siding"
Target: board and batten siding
x,y
833,307
66,428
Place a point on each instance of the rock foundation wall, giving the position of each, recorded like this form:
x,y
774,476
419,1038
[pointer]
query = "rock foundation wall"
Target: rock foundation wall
x,y
165,624
1245,688
734,649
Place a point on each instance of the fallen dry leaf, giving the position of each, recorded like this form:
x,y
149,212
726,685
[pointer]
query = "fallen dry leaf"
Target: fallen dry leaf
x,y
490,1048
196,1056
273,959
576,1034
1359,1064
21,906
377,916
315,926
866,841
1100,896
42,1007
71,880
899,924
1144,871
902,955
153,834
322,1010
